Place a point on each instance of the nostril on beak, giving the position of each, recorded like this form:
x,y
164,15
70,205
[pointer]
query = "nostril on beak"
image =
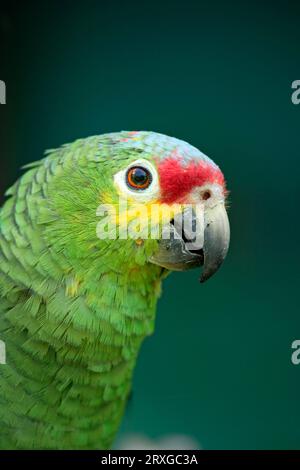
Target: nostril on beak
x,y
206,195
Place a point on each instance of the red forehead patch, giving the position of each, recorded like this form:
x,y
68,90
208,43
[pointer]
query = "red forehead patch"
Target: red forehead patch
x,y
177,179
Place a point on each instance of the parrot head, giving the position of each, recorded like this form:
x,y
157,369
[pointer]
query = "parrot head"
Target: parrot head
x,y
145,196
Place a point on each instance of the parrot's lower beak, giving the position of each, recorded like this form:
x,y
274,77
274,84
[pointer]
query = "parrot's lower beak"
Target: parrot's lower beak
x,y
200,239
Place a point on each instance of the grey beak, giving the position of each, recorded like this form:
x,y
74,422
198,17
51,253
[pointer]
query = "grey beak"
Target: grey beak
x,y
176,250
216,240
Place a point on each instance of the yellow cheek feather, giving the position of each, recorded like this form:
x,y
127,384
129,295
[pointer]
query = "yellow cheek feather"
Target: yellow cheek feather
x,y
151,215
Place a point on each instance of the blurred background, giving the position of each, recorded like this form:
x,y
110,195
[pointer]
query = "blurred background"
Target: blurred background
x,y
218,369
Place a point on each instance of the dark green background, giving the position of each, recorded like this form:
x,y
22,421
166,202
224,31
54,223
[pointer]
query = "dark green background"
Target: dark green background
x,y
219,76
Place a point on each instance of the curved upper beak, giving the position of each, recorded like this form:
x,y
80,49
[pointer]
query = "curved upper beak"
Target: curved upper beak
x,y
200,239
216,240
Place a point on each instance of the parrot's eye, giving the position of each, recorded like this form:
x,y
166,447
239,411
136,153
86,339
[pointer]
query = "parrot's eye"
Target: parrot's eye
x,y
138,181
138,177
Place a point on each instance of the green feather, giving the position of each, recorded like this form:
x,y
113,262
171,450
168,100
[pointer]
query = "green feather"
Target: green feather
x,y
74,310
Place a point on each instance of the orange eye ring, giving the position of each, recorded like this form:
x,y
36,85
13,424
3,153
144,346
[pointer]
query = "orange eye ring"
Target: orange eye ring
x,y
138,178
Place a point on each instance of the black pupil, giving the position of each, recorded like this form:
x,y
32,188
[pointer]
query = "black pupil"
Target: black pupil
x,y
140,176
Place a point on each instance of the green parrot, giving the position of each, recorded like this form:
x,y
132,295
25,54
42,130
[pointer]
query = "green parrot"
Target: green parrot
x,y
77,297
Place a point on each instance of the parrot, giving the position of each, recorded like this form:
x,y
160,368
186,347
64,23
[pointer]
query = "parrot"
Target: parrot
x,y
75,307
